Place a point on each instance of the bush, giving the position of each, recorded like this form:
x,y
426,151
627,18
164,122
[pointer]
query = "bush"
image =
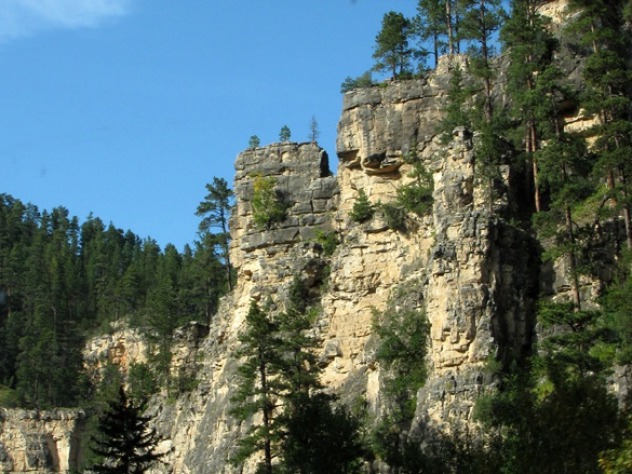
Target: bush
x,y
362,209
365,80
328,240
395,217
267,205
417,196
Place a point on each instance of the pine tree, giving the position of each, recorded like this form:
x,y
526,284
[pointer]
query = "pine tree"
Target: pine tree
x,y
362,209
599,26
430,25
481,19
317,437
392,51
259,387
530,47
215,213
285,134
124,440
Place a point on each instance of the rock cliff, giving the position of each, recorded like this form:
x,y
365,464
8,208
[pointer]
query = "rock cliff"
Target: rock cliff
x,y
464,265
473,273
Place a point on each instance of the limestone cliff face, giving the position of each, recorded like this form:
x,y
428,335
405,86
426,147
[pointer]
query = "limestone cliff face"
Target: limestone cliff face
x,y
39,442
463,265
473,273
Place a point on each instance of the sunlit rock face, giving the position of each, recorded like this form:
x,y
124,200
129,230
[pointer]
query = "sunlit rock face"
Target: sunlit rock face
x,y
464,265
39,441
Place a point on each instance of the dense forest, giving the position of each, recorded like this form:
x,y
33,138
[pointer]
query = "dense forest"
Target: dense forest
x,y
62,281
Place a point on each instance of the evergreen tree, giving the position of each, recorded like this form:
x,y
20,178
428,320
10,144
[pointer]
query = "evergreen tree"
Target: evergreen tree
x,y
455,110
362,209
599,26
254,142
259,387
285,134
481,19
124,439
215,213
321,439
530,47
430,25
392,51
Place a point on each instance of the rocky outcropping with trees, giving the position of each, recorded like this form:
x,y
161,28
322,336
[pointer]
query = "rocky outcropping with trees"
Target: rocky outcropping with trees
x,y
457,292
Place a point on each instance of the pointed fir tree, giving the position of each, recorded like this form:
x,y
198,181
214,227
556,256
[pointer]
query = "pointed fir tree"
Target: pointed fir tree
x,y
124,440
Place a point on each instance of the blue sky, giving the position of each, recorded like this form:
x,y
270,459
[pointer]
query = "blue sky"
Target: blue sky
x,y
127,108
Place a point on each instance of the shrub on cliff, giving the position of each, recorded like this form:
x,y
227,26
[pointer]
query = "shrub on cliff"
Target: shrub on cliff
x,y
267,204
362,209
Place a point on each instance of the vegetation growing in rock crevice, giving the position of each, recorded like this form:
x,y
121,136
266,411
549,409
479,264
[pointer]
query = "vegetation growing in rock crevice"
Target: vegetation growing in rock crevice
x,y
268,206
363,209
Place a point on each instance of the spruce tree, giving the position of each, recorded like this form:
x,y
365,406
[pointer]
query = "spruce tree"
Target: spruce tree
x,y
123,439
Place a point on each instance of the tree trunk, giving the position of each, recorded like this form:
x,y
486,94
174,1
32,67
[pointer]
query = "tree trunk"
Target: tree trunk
x,y
448,20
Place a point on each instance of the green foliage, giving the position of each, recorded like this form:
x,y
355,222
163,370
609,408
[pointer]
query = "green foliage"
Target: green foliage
x,y
556,402
618,460
8,398
456,114
328,240
394,216
215,213
403,336
123,439
480,20
254,142
617,306
416,196
285,134
363,209
430,25
279,380
391,44
258,385
361,82
142,382
267,204
61,281
321,438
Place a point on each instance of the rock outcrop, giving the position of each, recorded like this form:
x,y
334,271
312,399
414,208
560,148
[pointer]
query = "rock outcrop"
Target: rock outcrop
x,y
39,442
473,274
